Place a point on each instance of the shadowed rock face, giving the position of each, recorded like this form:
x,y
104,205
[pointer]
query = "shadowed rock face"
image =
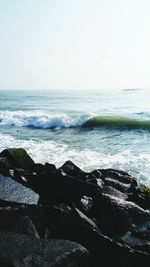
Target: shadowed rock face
x,y
23,250
105,211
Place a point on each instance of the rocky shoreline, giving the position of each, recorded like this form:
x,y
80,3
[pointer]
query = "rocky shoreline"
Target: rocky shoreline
x,y
66,217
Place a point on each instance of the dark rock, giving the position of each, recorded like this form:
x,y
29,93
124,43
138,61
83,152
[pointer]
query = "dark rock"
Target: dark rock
x,y
118,175
10,190
26,219
4,166
104,251
25,226
86,204
69,168
115,215
59,188
139,238
17,157
23,250
109,190
117,185
143,200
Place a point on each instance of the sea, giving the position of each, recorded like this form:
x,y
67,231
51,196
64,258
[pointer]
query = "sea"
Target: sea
x,y
92,128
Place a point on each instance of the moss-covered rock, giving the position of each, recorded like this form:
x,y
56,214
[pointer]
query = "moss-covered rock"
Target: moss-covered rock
x,y
17,157
144,189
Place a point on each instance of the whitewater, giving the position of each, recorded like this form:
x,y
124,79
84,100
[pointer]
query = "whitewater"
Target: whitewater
x,y
93,128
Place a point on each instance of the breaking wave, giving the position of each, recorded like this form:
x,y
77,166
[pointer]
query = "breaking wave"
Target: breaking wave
x,y
43,121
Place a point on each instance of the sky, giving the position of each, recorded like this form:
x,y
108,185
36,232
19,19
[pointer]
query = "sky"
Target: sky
x,y
74,44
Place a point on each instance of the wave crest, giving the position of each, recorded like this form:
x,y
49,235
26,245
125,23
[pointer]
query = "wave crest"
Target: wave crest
x,y
41,120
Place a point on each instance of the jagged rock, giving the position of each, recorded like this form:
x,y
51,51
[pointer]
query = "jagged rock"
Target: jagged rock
x,y
118,175
69,168
10,190
139,238
109,190
59,188
17,157
123,187
28,219
104,251
26,226
86,204
116,215
23,250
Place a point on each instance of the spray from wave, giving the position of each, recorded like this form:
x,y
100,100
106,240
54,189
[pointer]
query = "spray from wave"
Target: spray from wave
x,y
41,120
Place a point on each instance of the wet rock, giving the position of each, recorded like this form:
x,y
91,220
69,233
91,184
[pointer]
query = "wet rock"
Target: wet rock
x,y
118,175
117,185
10,190
109,190
17,157
23,250
86,204
69,168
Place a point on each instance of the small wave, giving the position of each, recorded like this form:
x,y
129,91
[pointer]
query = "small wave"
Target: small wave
x,y
119,122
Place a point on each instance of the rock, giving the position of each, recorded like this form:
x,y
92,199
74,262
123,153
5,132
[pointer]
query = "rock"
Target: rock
x,y
26,226
109,190
115,215
4,166
17,157
23,250
139,238
86,204
118,175
25,219
117,185
56,188
10,190
69,168
104,251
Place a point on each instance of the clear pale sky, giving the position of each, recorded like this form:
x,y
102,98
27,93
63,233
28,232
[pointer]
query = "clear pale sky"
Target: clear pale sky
x,y
54,44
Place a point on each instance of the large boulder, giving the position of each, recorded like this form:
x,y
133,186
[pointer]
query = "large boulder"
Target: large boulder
x,y
4,166
104,251
116,215
19,250
10,190
69,168
17,157
21,218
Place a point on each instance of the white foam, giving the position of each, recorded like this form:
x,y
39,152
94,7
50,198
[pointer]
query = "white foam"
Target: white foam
x,y
41,120
88,160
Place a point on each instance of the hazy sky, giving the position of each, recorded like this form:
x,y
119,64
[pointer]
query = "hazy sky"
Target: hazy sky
x,y
74,44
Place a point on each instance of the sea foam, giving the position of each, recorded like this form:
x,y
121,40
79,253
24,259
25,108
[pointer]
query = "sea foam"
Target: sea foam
x,y
43,151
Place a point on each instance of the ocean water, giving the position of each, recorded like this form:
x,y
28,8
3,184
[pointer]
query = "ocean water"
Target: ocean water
x,y
92,128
